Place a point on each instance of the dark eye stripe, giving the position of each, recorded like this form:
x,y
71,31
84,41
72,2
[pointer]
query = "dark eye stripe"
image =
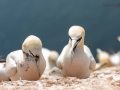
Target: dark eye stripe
x,y
37,56
79,39
70,38
31,53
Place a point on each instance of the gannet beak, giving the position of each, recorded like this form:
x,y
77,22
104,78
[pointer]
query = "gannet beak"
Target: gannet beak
x,y
74,44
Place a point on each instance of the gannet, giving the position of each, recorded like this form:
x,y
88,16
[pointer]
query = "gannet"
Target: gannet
x,y
118,38
28,63
50,57
99,66
51,70
115,59
3,76
103,58
76,59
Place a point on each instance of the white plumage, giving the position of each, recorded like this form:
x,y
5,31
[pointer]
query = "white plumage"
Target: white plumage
x,y
28,63
115,59
51,57
76,59
3,76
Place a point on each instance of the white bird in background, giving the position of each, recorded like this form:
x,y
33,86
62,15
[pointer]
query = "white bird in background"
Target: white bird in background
x,y
28,63
51,70
103,58
76,59
118,38
99,66
115,59
50,57
3,76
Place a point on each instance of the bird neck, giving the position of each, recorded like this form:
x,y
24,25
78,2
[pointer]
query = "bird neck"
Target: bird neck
x,y
51,63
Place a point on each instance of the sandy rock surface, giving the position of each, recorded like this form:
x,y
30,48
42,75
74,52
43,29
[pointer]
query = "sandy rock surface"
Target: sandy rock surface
x,y
105,79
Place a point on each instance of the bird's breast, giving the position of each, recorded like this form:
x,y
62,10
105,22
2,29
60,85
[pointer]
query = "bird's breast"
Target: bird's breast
x,y
27,69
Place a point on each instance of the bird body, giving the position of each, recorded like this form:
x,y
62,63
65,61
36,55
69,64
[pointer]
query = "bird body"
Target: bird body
x,y
76,59
50,57
46,53
3,76
118,38
79,67
103,58
115,59
99,66
28,63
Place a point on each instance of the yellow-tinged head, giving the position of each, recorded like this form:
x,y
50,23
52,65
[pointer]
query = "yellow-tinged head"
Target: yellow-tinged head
x,y
76,34
32,45
53,56
103,57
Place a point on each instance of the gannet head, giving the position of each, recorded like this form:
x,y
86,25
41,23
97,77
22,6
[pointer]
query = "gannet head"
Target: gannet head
x,y
32,46
76,34
53,56
103,57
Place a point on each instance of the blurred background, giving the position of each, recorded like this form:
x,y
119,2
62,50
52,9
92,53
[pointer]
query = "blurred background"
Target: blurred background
x,y
50,20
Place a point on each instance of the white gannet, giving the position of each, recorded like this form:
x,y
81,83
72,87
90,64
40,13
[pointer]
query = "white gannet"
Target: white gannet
x,y
99,66
51,70
28,63
118,38
76,59
115,59
103,58
50,57
3,76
